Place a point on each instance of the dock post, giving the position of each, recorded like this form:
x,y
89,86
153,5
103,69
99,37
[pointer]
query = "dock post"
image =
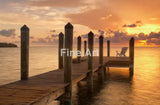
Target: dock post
x,y
24,52
60,55
108,48
90,62
131,55
68,63
101,69
85,47
108,54
79,49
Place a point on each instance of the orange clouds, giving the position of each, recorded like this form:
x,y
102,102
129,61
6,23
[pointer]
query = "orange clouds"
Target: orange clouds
x,y
120,16
57,3
99,18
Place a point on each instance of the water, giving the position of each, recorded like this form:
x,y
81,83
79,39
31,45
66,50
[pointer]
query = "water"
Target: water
x,y
118,89
41,59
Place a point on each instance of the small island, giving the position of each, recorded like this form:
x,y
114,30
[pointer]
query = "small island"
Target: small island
x,y
7,45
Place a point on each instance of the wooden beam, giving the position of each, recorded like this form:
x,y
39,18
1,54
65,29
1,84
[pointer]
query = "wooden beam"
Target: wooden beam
x,y
68,63
60,55
131,55
85,47
101,49
24,52
101,69
108,48
79,49
90,62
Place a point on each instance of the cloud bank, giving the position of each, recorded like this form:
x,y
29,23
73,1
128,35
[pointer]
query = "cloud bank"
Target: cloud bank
x,y
7,33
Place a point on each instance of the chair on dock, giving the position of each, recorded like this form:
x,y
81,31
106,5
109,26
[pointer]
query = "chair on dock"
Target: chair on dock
x,y
123,51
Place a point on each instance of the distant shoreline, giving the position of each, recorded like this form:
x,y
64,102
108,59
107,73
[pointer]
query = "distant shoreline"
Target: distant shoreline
x,y
6,45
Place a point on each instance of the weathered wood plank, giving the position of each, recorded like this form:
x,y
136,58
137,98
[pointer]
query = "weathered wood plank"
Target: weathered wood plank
x,y
44,88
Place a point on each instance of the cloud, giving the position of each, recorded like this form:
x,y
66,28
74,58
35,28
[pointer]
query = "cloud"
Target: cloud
x,y
98,14
51,39
40,40
119,37
122,37
84,36
7,5
54,36
153,38
92,18
131,25
153,41
116,37
53,31
101,32
142,36
8,33
154,35
31,37
57,3
138,21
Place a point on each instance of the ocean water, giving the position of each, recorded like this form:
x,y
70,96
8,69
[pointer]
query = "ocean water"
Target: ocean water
x,y
118,88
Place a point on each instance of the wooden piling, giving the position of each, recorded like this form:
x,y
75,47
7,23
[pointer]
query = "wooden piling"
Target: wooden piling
x,y
24,52
108,48
90,47
131,55
101,69
90,62
79,49
60,55
101,49
85,47
68,63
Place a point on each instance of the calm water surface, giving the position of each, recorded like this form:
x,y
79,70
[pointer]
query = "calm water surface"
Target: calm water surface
x,y
118,89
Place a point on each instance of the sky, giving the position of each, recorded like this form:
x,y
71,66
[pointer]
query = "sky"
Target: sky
x,y
116,20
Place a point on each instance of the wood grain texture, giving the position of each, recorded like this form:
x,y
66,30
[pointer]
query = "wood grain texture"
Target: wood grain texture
x,y
44,88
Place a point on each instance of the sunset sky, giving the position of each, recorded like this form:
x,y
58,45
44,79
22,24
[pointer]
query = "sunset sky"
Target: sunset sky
x,y
117,20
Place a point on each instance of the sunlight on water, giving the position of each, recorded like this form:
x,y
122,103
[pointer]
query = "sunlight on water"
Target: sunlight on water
x,y
143,89
41,59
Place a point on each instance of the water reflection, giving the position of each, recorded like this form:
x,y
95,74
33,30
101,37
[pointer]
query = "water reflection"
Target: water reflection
x,y
117,86
121,89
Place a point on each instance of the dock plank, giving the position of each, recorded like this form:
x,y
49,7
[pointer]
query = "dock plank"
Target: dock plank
x,y
44,88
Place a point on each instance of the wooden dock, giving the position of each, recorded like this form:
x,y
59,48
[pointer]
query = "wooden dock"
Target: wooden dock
x,y
45,88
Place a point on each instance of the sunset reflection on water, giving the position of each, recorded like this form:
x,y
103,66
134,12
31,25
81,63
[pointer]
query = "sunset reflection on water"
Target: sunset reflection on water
x,y
143,89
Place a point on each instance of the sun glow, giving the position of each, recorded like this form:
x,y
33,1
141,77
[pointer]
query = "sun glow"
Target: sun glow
x,y
140,43
143,43
146,29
